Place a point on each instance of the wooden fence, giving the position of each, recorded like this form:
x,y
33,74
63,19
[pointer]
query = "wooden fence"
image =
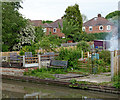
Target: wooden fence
x,y
8,53
115,63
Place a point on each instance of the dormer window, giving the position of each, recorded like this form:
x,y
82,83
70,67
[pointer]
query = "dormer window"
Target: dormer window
x,y
83,28
54,30
101,27
90,28
108,27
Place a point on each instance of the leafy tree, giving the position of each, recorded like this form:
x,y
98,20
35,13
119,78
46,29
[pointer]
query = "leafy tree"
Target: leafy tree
x,y
114,17
26,36
39,33
12,23
69,29
113,14
73,12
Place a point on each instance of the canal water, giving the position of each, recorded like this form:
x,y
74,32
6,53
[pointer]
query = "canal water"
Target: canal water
x,y
17,89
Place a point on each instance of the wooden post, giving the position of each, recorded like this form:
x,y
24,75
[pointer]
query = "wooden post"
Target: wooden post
x,y
115,63
82,54
39,61
118,64
112,65
23,61
88,55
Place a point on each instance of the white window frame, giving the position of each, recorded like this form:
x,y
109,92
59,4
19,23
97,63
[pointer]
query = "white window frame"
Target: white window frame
x,y
55,30
45,30
83,28
90,28
100,27
108,27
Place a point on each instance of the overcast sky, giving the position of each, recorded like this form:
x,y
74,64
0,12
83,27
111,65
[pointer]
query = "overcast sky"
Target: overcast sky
x,y
55,9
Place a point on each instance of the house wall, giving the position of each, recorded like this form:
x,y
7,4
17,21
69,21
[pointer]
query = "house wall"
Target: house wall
x,y
48,30
96,29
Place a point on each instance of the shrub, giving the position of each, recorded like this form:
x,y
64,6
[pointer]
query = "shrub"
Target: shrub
x,y
116,81
28,49
5,48
105,55
83,46
70,55
22,52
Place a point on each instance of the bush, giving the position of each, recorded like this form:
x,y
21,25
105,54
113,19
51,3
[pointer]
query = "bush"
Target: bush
x,y
31,48
5,48
116,82
22,52
83,46
105,55
70,55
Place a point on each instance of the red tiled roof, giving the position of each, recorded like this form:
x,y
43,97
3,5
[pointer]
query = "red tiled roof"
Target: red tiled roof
x,y
55,24
97,21
36,22
46,25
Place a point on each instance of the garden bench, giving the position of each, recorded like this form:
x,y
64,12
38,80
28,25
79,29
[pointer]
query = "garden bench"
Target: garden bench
x,y
57,64
14,57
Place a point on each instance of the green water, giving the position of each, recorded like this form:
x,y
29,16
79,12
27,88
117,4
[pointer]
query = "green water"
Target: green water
x,y
17,89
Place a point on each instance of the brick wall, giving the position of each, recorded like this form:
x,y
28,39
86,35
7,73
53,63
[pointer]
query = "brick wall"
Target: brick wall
x,y
48,30
96,29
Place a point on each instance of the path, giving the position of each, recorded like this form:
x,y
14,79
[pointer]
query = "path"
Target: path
x,y
97,78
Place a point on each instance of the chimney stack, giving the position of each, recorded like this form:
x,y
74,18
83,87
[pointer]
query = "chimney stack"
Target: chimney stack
x,y
99,15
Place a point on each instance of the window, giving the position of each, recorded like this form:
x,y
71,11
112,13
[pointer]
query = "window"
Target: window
x,y
108,27
54,30
83,28
44,30
90,28
101,27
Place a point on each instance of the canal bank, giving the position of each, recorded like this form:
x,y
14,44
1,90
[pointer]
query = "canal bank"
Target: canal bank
x,y
81,85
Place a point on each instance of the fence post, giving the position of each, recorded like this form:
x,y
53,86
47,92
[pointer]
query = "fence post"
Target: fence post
x,y
112,65
88,55
82,54
23,61
39,61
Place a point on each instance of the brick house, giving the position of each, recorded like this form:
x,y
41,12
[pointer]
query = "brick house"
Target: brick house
x,y
52,28
97,25
36,22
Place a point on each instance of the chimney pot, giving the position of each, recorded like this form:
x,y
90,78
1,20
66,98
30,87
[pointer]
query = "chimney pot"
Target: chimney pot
x,y
99,15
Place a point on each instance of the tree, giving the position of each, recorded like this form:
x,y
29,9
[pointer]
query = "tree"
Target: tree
x,y
114,17
39,33
69,29
84,18
26,37
113,14
73,13
12,24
